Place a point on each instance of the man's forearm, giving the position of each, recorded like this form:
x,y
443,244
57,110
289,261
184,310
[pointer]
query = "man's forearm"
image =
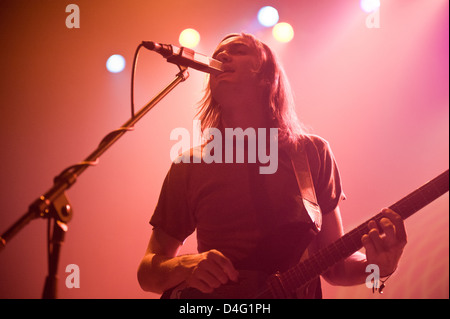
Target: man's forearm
x,y
158,273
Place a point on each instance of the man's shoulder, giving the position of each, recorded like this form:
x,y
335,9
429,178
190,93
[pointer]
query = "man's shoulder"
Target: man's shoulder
x,y
193,155
314,140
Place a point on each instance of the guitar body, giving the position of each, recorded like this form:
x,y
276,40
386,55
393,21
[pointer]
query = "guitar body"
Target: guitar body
x,y
249,285
255,279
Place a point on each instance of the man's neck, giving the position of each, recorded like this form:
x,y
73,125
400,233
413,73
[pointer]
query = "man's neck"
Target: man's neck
x,y
244,121
245,113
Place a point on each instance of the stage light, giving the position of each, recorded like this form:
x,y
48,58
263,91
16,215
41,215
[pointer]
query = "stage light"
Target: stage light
x,y
268,16
115,63
369,5
283,32
189,38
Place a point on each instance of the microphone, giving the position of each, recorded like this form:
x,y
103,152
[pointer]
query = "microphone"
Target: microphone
x,y
185,57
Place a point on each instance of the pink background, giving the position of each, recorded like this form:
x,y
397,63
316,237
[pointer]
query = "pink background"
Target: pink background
x,y
379,96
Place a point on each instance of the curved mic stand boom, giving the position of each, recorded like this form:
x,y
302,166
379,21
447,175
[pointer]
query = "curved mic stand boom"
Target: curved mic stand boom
x,y
54,203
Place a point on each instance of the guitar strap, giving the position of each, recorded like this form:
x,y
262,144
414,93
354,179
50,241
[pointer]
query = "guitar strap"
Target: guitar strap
x,y
300,163
302,171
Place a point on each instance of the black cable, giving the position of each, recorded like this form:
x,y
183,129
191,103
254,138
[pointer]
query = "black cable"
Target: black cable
x,y
110,136
133,70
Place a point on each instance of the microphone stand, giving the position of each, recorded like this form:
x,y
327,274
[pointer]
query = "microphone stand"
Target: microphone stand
x,y
54,204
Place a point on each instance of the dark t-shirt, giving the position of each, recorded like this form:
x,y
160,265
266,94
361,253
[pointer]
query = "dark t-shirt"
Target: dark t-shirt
x,y
256,220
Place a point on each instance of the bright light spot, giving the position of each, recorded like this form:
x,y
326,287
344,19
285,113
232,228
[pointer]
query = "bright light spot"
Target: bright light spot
x,y
115,63
369,5
283,32
268,16
189,38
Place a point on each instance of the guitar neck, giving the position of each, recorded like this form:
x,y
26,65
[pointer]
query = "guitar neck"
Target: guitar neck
x,y
342,248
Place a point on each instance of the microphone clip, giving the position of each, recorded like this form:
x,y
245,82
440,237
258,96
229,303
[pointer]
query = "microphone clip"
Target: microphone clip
x,y
185,57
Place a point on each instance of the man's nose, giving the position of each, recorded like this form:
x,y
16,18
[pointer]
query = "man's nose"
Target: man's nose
x,y
223,57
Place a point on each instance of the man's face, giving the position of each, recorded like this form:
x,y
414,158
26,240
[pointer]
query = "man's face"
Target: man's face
x,y
240,61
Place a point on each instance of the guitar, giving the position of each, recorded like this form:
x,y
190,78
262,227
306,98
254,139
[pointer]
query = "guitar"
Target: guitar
x,y
257,285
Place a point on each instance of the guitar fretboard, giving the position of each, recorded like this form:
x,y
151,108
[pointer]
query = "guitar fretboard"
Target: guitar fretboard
x,y
342,248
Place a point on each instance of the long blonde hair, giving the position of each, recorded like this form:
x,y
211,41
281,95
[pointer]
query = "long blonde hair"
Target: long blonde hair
x,y
280,103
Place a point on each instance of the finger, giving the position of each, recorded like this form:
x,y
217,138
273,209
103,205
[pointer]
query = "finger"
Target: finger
x,y
225,265
389,230
206,276
375,237
198,281
210,268
209,277
368,245
397,220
